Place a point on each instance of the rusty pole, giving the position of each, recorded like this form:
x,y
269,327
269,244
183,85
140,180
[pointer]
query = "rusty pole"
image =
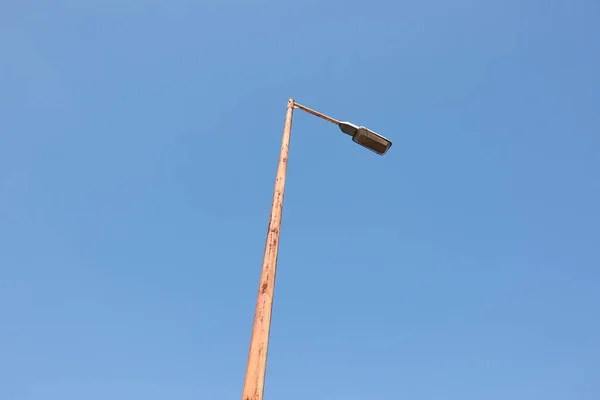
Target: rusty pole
x,y
257,358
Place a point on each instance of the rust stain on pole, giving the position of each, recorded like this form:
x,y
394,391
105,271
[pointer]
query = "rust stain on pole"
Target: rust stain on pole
x,y
257,358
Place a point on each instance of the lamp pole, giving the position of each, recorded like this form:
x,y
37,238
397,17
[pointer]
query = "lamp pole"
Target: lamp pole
x,y
257,358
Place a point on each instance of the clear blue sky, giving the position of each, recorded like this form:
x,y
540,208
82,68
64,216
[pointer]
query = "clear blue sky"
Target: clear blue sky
x,y
138,149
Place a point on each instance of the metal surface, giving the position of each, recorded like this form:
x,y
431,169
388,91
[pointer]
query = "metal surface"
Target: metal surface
x,y
317,114
348,128
257,357
372,141
254,382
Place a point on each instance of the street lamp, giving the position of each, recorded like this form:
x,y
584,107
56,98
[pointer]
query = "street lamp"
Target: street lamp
x,y
257,356
361,135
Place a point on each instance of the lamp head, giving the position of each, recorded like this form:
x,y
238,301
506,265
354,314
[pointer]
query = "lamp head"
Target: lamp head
x,y
371,140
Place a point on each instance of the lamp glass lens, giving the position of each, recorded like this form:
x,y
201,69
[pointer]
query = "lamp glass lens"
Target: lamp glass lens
x,y
375,145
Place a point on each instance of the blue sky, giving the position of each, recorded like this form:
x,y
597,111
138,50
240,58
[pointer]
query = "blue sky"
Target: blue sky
x,y
138,147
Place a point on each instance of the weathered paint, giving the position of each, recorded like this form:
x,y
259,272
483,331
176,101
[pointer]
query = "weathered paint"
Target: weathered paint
x,y
257,357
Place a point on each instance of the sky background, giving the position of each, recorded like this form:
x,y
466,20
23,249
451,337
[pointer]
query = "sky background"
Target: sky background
x,y
138,148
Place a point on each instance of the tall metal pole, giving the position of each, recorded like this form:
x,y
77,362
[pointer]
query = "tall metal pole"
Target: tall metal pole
x,y
257,358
